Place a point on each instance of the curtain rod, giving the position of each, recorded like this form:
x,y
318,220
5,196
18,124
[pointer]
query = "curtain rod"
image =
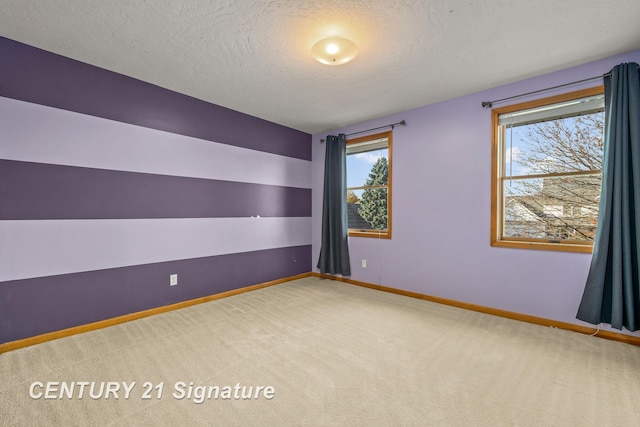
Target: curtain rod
x,y
489,104
392,125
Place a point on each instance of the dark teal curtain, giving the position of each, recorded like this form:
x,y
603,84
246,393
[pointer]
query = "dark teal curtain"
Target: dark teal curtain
x,y
612,291
334,253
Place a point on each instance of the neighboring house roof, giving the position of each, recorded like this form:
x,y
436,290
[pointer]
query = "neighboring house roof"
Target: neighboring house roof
x,y
580,191
354,219
517,209
526,208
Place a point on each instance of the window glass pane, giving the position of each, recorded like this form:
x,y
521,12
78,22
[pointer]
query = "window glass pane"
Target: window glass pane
x,y
555,146
555,208
367,209
574,107
367,168
368,185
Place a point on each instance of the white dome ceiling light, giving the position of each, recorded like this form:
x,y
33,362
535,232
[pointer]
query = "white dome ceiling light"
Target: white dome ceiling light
x,y
334,51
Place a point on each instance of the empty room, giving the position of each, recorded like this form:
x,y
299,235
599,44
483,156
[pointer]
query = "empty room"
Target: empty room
x,y
319,213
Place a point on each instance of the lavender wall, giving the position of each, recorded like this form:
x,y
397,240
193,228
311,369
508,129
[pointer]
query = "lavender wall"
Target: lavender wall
x,y
441,211
110,184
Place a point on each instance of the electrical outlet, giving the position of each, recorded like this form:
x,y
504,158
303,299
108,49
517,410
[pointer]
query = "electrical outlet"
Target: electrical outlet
x,y
173,279
364,263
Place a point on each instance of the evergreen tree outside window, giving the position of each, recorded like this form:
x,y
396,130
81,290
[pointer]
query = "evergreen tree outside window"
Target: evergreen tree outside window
x,y
369,185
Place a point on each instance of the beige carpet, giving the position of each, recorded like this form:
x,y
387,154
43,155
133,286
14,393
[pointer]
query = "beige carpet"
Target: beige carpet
x,y
336,354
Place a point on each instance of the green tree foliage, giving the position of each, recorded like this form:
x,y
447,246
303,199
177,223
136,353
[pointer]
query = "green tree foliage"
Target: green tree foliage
x,y
352,197
373,205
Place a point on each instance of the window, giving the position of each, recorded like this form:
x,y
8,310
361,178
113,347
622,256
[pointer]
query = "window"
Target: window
x,y
547,172
369,185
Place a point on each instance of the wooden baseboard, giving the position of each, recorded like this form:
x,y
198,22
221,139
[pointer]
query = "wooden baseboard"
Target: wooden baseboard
x,y
629,339
14,345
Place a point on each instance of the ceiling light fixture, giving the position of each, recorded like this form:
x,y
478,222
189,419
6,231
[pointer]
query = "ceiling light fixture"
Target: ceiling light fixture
x,y
334,51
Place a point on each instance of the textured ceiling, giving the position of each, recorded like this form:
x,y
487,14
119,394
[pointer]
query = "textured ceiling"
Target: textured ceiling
x,y
253,55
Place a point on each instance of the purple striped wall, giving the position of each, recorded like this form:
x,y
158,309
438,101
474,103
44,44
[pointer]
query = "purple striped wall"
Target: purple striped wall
x,y
34,75
35,306
43,191
34,191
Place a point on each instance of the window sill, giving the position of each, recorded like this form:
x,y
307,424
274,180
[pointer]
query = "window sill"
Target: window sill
x,y
373,234
544,246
